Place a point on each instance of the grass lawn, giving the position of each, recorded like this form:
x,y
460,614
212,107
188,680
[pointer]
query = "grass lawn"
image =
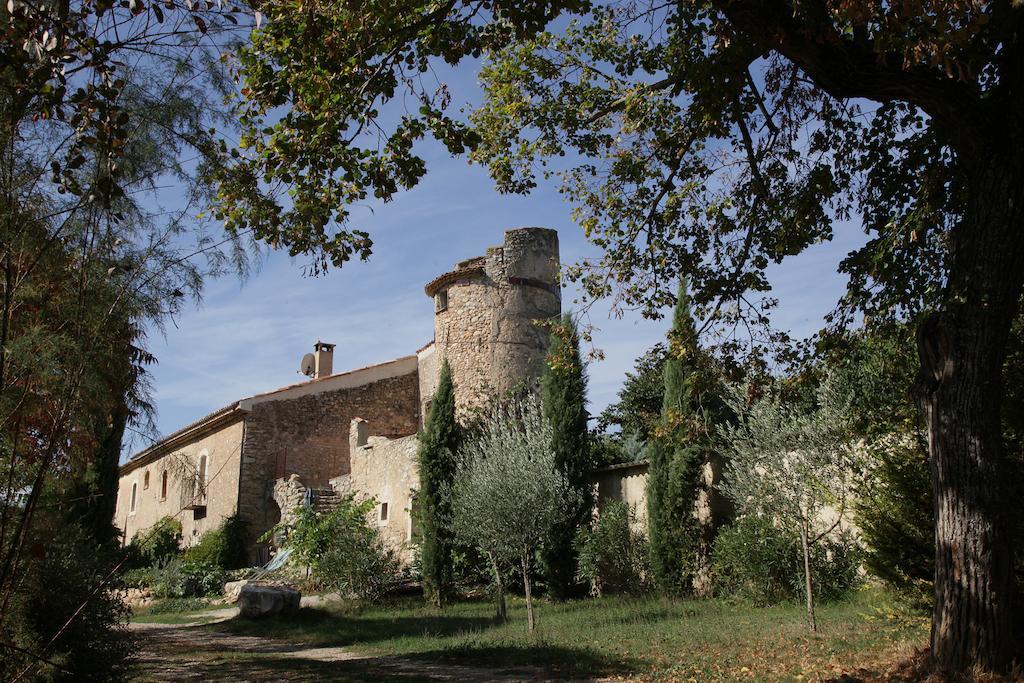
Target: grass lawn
x,y
616,636
177,611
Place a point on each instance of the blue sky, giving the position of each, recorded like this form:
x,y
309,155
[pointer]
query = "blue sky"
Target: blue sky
x,y
246,338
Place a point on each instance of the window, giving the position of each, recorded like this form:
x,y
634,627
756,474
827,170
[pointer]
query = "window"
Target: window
x,y
441,301
145,480
135,492
163,485
383,512
281,465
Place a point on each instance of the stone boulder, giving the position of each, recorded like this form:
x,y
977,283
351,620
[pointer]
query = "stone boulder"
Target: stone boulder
x,y
232,589
256,601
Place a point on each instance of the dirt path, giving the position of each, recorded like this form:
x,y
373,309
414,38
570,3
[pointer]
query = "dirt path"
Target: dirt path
x,y
200,652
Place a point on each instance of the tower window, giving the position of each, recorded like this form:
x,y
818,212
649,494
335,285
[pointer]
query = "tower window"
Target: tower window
x,y
135,492
163,485
145,481
441,301
383,512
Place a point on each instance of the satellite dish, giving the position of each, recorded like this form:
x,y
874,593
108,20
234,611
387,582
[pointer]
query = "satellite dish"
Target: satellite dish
x,y
308,365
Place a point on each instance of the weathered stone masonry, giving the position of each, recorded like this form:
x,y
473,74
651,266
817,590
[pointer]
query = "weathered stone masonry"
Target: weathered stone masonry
x,y
292,446
308,436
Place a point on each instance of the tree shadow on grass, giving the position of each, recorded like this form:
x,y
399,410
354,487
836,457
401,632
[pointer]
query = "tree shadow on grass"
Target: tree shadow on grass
x,y
531,661
326,627
464,664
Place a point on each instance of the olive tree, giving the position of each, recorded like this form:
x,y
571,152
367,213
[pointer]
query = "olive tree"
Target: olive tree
x,y
791,464
508,492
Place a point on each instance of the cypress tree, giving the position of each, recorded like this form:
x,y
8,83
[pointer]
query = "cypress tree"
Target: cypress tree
x,y
679,543
564,390
438,446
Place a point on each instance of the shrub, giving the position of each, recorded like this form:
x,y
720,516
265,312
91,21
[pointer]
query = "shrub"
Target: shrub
x,y
158,543
753,560
224,546
613,556
64,592
345,552
201,579
166,580
178,578
143,577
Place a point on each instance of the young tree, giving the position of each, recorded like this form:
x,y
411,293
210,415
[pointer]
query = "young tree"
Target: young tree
x,y
439,443
680,539
792,465
564,395
508,491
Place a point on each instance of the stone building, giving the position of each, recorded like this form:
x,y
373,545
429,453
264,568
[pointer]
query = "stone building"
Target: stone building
x,y
308,443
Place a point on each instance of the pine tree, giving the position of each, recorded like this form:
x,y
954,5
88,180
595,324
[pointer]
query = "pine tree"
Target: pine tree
x,y
438,446
564,389
679,542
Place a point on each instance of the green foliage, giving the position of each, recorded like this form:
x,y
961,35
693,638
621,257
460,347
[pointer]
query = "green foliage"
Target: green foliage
x,y
177,605
638,407
175,577
344,551
508,492
564,396
158,543
224,547
755,560
438,445
614,557
683,444
200,579
68,582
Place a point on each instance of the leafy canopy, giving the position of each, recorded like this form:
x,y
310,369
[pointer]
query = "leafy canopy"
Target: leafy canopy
x,y
712,139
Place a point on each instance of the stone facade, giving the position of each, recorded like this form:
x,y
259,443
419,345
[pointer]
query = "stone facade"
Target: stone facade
x,y
490,312
268,453
626,483
386,469
307,436
177,461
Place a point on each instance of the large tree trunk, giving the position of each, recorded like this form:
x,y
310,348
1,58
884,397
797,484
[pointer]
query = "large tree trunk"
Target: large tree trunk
x,y
962,349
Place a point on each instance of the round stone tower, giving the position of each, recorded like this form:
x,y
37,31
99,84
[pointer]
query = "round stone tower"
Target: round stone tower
x,y
486,314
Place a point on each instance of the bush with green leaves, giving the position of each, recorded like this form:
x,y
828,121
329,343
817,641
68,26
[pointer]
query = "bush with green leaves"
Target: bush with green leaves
x,y
178,578
200,579
754,560
157,543
614,557
224,546
345,552
67,610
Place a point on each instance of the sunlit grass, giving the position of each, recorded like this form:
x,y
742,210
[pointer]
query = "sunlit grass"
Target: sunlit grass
x,y
653,637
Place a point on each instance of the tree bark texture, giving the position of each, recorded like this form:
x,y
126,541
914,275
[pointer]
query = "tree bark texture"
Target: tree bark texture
x,y
808,581
502,610
962,349
530,623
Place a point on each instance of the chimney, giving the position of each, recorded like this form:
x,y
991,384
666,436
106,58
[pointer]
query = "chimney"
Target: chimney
x,y
323,359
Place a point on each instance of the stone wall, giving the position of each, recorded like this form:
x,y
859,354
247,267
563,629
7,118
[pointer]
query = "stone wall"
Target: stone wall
x,y
308,436
221,447
487,314
626,483
429,368
386,469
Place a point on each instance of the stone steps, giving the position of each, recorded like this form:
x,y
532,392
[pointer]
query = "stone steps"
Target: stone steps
x,y
325,500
